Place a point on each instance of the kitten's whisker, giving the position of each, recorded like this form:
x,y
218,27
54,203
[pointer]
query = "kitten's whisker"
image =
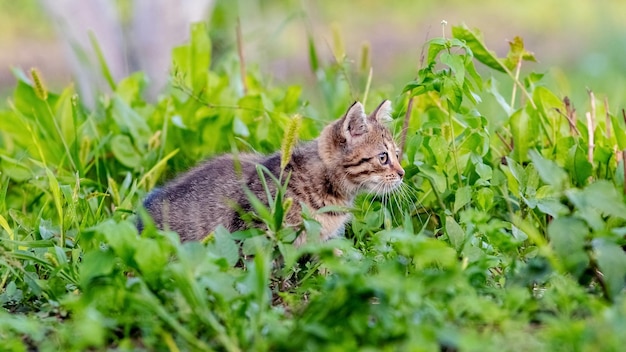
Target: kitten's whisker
x,y
396,206
368,194
377,192
406,194
398,201
411,194
386,202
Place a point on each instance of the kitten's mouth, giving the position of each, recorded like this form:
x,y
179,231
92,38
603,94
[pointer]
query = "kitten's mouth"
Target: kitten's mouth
x,y
395,185
383,188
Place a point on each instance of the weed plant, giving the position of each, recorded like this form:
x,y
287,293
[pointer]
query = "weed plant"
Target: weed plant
x,y
507,235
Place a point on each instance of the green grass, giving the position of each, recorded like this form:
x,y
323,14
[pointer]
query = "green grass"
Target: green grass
x,y
508,234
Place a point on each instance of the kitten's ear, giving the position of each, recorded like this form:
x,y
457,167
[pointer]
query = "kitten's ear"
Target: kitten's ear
x,y
382,113
354,123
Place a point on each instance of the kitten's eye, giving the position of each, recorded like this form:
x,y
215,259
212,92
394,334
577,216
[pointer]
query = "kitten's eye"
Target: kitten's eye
x,y
383,157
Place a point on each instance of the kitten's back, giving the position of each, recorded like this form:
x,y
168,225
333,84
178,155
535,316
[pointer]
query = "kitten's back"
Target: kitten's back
x,y
203,198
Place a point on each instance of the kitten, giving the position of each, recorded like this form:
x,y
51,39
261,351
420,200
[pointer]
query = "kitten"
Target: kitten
x,y
355,153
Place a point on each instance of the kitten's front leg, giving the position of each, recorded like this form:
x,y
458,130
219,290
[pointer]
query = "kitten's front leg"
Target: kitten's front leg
x,y
333,225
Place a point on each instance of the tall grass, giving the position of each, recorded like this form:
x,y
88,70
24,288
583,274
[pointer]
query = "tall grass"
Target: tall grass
x,y
505,237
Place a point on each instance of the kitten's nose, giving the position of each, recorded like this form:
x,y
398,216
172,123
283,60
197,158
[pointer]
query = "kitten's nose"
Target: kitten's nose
x,y
400,171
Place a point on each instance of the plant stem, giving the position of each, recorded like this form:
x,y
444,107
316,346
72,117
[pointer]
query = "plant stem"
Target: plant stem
x,y
405,125
607,118
367,85
590,128
518,68
454,149
242,61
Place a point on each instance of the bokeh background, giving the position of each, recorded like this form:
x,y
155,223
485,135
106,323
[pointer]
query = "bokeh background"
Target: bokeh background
x,y
579,45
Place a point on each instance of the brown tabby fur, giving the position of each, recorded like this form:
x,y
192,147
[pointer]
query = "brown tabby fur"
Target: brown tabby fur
x,y
355,153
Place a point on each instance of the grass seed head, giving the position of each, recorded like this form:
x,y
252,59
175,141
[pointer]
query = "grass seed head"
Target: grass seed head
x,y
40,88
290,139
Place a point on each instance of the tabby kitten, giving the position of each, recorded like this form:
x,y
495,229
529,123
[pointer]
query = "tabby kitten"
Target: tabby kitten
x,y
355,153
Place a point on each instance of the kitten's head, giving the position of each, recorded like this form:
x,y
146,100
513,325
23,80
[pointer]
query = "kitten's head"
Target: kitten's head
x,y
361,150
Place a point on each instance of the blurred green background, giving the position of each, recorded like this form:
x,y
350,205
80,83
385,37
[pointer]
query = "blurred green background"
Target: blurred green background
x,y
580,45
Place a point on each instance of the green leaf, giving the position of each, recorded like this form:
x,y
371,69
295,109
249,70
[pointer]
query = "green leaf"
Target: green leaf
x,y
47,229
199,56
435,46
549,171
440,149
313,58
516,176
599,196
130,88
484,171
517,53
547,101
192,60
258,278
462,197
129,121
96,264
433,252
53,183
484,198
547,116
474,40
532,79
452,92
151,258
456,64
124,151
455,233
256,243
522,135
577,164
240,128
568,238
16,170
122,237
492,88
552,207
619,130
612,263
279,210
438,180
104,67
5,225
225,246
